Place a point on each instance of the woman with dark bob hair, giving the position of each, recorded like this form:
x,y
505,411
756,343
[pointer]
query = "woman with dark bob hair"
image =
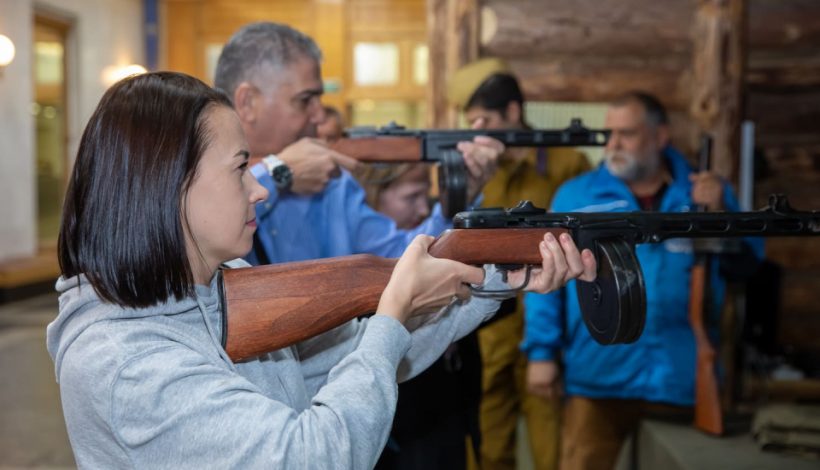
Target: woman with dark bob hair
x,y
159,199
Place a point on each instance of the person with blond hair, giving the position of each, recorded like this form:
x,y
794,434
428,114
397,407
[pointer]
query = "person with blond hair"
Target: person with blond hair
x,y
490,97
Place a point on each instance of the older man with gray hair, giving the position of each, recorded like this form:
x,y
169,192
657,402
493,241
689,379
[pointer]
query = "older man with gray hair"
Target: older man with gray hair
x,y
609,389
316,209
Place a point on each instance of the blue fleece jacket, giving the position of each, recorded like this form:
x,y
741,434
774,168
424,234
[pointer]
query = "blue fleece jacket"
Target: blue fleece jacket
x,y
660,366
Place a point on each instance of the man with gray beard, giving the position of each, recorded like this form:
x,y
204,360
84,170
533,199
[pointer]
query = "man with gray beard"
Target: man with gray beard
x,y
638,150
610,388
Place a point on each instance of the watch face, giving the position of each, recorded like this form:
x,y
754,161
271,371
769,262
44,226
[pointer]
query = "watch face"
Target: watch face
x,y
282,176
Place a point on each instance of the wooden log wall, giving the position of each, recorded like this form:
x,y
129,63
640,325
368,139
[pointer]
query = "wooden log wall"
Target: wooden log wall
x,y
784,40
453,23
587,51
718,66
782,98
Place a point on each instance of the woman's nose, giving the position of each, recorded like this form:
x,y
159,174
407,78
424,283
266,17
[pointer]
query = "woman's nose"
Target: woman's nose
x,y
257,192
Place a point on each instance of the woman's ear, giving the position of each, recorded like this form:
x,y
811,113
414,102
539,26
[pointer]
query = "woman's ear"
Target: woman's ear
x,y
244,100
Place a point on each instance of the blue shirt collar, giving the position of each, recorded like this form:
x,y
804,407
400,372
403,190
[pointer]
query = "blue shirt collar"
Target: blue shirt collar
x,y
607,186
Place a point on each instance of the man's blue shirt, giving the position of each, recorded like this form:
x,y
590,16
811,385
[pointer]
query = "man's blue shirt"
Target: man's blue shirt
x,y
333,222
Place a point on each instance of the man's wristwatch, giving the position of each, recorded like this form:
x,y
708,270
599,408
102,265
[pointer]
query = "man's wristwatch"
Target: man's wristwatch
x,y
281,174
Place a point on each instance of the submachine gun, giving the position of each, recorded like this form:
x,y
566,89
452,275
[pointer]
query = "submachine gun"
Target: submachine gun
x,y
396,144
614,305
269,307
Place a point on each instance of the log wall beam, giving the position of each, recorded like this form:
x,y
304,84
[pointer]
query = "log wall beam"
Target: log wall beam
x,y
601,79
783,44
718,71
452,32
792,25
625,28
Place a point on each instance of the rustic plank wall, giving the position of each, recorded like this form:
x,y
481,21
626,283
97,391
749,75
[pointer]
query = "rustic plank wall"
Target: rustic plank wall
x,y
782,97
582,50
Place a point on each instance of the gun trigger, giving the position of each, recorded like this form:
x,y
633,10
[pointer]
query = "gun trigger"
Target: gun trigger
x,y
504,293
505,268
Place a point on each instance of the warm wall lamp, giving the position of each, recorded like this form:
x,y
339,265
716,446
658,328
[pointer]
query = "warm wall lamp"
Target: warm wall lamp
x,y
115,73
6,52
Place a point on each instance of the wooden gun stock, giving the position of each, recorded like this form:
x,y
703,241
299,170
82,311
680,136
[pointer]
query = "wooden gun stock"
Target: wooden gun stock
x,y
708,413
270,307
266,308
381,149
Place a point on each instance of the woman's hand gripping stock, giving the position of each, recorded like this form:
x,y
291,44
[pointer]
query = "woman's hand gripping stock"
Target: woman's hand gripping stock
x,y
421,283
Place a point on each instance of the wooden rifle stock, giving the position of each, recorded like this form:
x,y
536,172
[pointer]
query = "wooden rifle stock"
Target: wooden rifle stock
x,y
266,308
381,149
269,307
708,412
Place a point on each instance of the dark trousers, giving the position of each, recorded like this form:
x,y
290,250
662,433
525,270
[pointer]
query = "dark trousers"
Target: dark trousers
x,y
436,412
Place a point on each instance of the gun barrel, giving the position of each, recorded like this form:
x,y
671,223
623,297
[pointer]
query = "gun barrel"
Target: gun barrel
x,y
649,227
395,143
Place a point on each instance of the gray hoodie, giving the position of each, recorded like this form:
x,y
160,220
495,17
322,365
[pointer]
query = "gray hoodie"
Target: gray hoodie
x,y
153,388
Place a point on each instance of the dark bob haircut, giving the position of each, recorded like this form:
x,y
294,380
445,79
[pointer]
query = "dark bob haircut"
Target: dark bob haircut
x,y
496,93
122,220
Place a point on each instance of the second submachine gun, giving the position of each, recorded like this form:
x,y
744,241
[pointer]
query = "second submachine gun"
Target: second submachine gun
x,y
397,144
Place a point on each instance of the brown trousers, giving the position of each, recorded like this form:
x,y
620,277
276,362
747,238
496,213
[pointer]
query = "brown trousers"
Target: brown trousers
x,y
595,429
504,398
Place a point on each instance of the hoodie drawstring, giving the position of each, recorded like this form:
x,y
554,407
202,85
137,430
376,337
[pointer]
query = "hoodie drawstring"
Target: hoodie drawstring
x,y
212,334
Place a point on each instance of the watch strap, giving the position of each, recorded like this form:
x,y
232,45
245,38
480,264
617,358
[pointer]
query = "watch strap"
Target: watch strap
x,y
279,172
271,162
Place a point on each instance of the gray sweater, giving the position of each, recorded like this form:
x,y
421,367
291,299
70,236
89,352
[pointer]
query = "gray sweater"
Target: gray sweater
x,y
152,387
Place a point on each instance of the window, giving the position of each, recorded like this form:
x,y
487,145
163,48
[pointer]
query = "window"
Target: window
x,y
49,114
376,64
555,115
